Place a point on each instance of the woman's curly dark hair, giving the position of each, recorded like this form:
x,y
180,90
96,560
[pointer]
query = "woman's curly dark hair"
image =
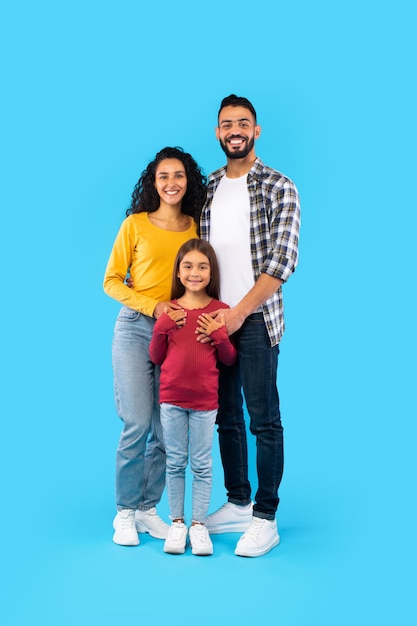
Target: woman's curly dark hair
x,y
146,198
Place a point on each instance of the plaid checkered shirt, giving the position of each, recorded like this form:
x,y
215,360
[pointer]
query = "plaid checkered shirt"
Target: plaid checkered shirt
x,y
274,231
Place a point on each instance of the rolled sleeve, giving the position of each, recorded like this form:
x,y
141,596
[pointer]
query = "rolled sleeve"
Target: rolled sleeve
x,y
282,257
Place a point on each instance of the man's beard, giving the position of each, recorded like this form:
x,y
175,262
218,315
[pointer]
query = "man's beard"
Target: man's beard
x,y
238,154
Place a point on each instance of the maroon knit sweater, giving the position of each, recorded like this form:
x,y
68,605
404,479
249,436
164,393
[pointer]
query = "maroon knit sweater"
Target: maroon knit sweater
x,y
189,375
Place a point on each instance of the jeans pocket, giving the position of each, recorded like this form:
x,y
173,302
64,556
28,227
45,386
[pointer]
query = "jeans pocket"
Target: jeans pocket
x,y
128,315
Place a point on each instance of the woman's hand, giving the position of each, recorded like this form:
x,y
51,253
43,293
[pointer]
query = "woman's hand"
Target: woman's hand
x,y
165,307
179,316
161,307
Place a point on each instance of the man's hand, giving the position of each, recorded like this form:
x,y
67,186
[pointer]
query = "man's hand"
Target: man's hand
x,y
233,320
207,324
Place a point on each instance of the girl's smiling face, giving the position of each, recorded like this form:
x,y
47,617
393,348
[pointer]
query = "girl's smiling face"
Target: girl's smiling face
x,y
194,271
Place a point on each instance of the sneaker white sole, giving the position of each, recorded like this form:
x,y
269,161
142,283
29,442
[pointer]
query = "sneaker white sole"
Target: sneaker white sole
x,y
250,552
131,543
174,549
202,551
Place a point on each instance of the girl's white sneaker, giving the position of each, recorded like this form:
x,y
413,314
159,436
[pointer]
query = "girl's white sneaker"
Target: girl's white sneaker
x,y
177,538
200,540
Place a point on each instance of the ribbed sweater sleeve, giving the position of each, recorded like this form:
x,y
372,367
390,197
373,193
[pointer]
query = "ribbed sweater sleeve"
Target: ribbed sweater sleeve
x,y
159,343
226,351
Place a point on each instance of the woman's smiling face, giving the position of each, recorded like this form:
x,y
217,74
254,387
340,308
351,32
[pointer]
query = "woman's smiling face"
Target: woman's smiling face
x,y
171,181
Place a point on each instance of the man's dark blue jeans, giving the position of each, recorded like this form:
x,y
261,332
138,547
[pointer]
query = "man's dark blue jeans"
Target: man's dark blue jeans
x,y
256,373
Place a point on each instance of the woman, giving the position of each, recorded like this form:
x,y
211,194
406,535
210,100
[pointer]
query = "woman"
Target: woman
x,y
165,201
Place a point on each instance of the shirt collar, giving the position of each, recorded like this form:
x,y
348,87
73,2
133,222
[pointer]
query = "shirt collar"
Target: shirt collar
x,y
256,171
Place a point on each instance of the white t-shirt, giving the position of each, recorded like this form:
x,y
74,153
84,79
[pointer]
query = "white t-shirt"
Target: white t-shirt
x,y
230,238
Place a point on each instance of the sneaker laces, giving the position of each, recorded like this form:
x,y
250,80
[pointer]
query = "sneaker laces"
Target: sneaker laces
x,y
255,528
200,533
150,518
176,530
126,518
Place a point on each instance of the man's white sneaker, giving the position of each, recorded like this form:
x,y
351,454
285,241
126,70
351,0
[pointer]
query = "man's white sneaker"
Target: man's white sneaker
x,y
200,540
176,539
124,526
150,522
230,518
260,538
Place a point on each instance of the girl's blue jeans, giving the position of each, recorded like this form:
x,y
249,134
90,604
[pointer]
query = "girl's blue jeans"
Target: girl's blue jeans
x,y
188,430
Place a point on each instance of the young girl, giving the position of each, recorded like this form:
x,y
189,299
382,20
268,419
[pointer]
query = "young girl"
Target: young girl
x,y
188,387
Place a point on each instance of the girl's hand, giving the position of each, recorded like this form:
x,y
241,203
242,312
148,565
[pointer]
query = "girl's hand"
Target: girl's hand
x,y
179,316
207,324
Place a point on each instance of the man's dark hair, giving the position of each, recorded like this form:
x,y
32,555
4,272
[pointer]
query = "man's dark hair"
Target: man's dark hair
x,y
237,101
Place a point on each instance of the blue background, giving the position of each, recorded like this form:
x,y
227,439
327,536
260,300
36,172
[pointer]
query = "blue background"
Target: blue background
x,y
90,91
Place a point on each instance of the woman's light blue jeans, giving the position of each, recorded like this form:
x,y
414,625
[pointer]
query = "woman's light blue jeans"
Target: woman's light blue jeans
x,y
140,458
188,429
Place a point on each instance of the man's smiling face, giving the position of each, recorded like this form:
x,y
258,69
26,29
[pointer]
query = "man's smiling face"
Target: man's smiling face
x,y
237,131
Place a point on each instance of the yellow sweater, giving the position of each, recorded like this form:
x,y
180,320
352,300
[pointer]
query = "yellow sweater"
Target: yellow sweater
x,y
149,252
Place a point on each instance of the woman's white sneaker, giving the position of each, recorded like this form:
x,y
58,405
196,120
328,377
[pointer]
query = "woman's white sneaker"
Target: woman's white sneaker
x,y
200,540
124,526
150,522
261,536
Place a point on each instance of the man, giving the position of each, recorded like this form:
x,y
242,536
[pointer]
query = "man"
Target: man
x,y
251,218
